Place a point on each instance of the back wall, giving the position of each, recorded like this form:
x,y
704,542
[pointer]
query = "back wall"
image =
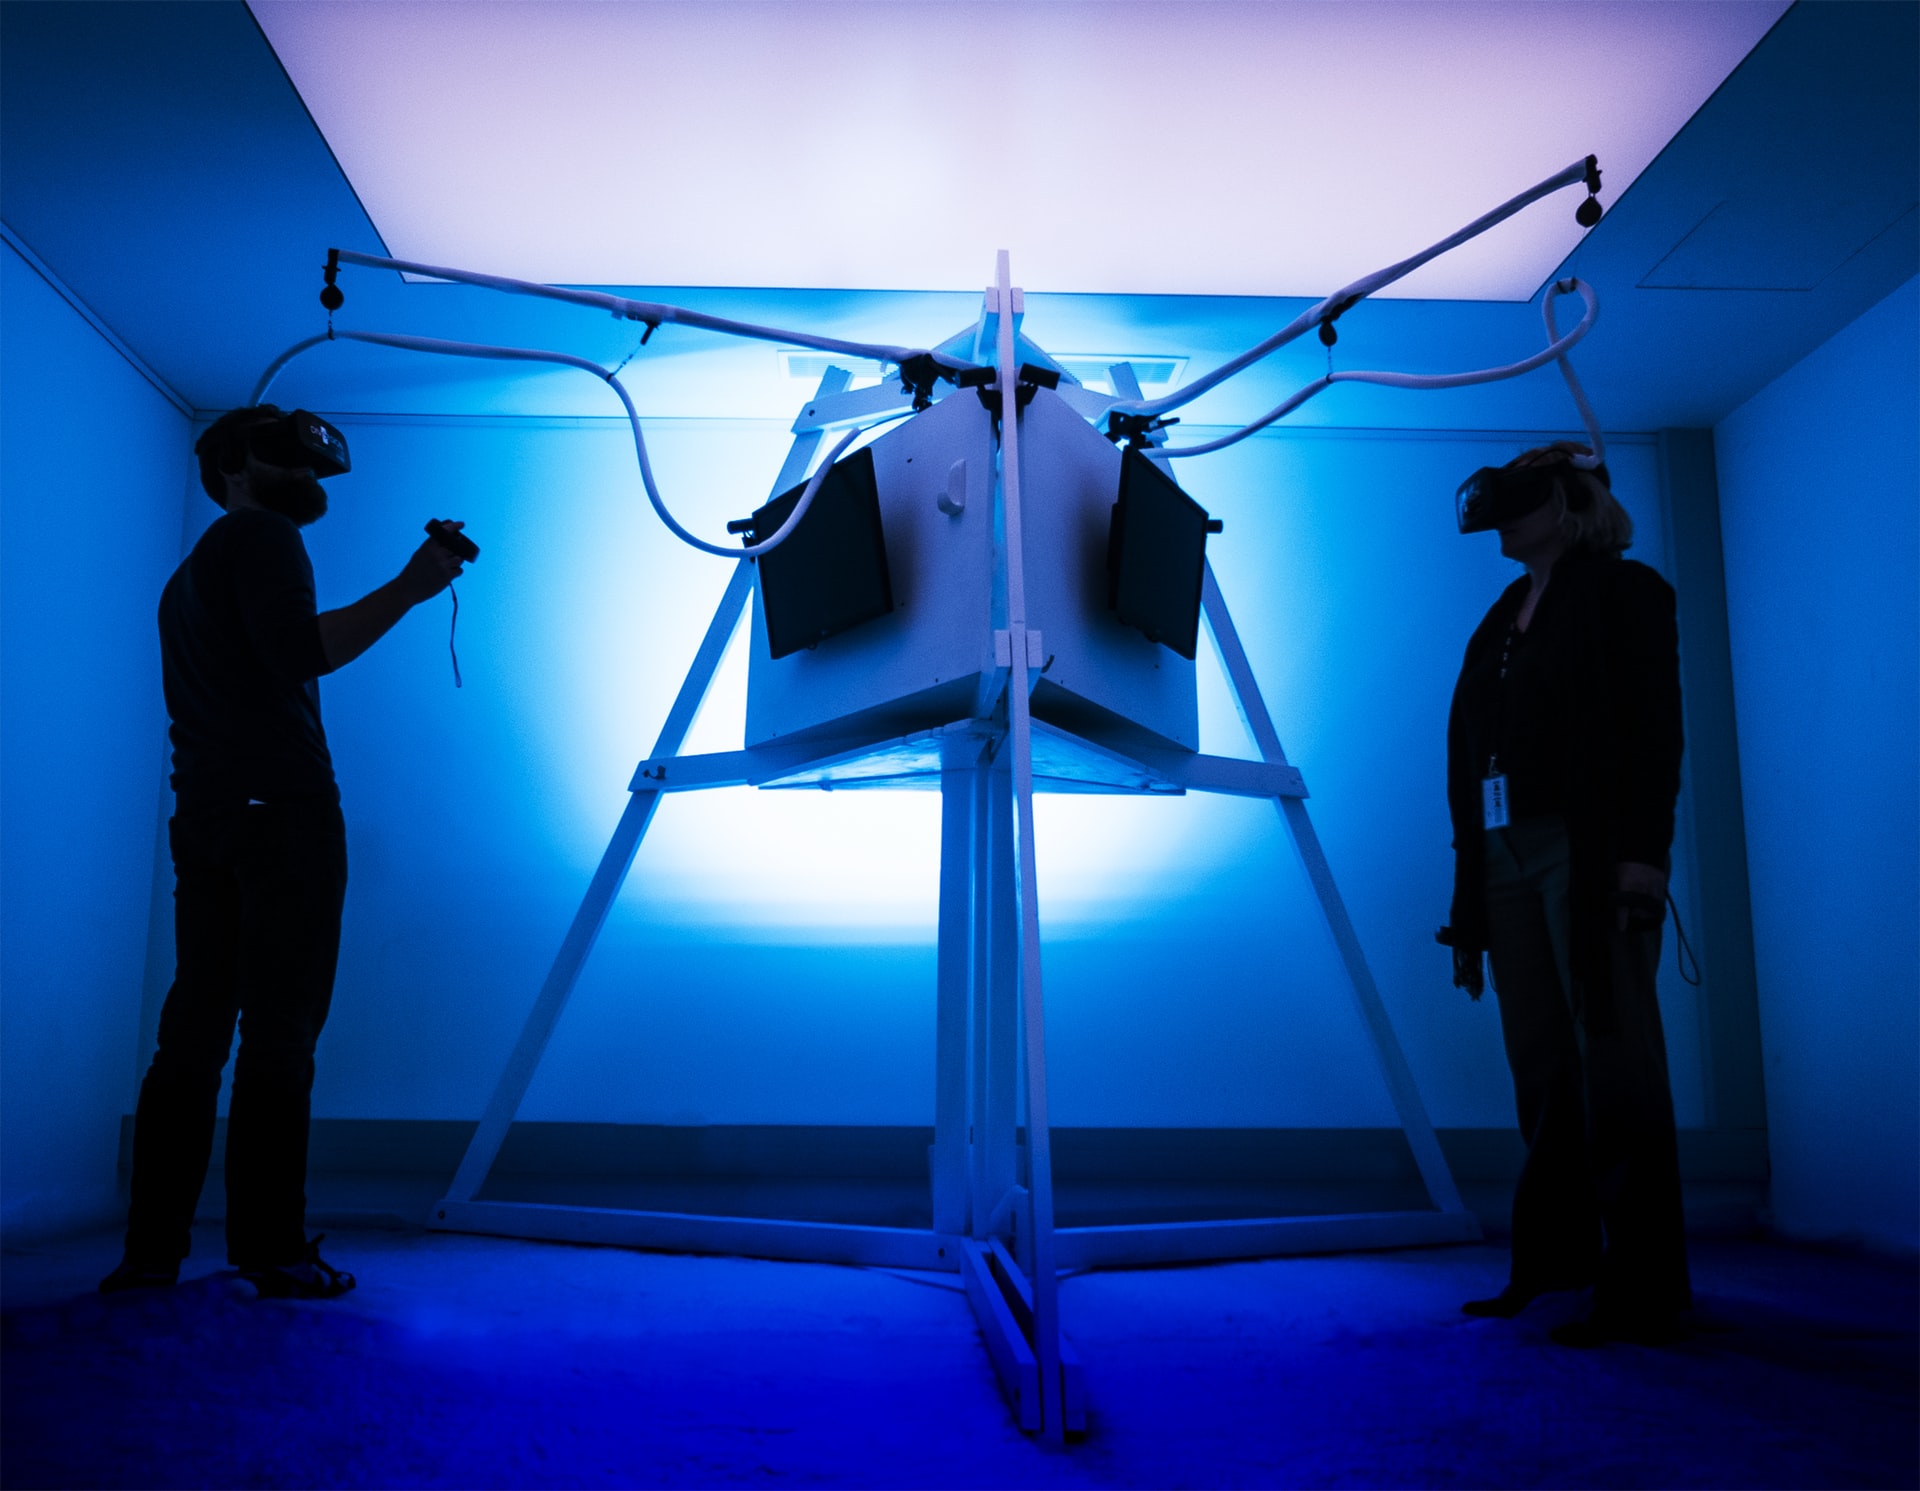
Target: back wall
x,y
771,959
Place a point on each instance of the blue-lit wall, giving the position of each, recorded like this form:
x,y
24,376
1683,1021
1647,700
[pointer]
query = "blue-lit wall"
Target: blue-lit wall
x,y
1820,513
772,957
92,465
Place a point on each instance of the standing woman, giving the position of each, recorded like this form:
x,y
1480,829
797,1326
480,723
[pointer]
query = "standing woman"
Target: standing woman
x,y
1563,763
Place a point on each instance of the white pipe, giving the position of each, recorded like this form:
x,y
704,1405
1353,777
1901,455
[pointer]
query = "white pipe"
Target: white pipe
x,y
653,312
564,359
1358,290
1556,349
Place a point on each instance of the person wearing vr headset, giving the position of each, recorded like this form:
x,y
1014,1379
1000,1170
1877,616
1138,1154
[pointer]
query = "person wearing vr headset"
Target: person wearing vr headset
x,y
1563,765
259,853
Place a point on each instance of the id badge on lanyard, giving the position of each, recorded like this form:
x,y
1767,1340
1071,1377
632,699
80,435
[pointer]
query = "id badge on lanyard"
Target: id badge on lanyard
x,y
1493,800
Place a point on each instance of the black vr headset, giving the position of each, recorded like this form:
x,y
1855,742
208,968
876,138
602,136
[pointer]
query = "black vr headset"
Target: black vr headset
x,y
1494,495
294,442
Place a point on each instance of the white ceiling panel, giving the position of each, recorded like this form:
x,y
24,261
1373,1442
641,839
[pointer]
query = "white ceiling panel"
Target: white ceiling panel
x,y
1125,148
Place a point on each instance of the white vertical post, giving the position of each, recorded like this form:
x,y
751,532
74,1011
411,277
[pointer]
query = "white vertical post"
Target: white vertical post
x,y
959,785
996,998
1046,1289
1313,858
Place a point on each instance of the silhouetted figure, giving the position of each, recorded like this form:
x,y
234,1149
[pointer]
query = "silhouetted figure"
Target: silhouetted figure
x,y
1563,764
259,853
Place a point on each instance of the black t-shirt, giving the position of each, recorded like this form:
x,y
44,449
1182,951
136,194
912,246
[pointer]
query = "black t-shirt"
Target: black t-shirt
x,y
240,660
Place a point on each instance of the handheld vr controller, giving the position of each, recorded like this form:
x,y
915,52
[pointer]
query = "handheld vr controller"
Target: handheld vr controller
x,y
449,537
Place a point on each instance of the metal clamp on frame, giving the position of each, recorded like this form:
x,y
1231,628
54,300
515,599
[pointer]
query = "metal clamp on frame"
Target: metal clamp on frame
x,y
1026,381
1137,430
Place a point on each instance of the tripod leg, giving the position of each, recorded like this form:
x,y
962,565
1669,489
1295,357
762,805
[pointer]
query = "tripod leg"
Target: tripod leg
x,y
601,891
1313,858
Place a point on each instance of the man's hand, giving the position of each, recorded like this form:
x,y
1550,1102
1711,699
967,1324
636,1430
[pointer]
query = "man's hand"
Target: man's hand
x,y
1642,894
351,630
431,569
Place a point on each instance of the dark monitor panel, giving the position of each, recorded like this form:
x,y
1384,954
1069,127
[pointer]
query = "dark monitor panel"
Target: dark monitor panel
x,y
1156,555
830,574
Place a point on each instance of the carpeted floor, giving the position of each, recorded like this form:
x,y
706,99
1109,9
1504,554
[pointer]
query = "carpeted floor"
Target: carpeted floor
x,y
467,1361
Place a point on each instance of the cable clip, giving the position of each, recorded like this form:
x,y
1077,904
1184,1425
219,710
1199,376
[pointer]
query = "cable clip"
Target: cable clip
x,y
1328,336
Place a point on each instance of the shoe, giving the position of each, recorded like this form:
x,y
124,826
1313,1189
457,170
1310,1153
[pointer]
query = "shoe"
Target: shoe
x,y
1510,1301
1604,1327
311,1278
126,1277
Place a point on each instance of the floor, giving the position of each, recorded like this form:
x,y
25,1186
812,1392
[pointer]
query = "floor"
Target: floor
x,y
467,1361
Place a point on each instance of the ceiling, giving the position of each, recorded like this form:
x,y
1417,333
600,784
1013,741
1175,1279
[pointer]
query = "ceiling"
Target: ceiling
x,y
160,163
1212,147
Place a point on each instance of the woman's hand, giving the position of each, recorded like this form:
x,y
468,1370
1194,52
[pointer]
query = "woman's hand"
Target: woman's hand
x,y
1469,971
1648,881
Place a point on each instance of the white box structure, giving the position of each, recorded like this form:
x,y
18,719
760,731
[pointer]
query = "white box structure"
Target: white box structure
x,y
928,663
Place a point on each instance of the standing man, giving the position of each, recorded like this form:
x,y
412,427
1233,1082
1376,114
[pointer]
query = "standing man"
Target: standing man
x,y
259,853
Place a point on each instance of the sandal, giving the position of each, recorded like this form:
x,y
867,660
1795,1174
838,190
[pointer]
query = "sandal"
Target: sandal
x,y
311,1278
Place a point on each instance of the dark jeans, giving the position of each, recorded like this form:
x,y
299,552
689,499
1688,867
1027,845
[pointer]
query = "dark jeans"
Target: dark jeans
x,y
1599,1195
257,899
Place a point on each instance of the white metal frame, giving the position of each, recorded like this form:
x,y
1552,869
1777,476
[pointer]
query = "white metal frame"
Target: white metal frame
x,y
993,1213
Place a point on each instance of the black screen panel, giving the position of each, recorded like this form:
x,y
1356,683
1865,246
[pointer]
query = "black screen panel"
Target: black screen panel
x,y
830,574
1156,556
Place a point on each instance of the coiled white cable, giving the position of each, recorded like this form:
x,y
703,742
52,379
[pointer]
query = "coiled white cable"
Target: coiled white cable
x,y
564,359
1556,349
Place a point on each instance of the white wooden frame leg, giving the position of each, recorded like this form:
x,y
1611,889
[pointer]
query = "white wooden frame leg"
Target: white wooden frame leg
x,y
611,874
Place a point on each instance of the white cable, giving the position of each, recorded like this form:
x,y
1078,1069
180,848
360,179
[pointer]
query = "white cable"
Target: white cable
x,y
655,313
1587,417
1358,290
564,359
1556,349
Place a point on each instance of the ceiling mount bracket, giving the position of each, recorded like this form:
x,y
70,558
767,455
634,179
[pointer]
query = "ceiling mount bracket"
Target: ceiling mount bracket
x,y
1588,212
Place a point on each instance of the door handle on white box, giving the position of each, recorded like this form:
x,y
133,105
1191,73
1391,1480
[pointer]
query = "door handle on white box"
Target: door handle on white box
x,y
953,501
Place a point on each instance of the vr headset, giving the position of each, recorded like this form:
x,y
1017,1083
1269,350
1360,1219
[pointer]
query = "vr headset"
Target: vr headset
x,y
1494,495
295,441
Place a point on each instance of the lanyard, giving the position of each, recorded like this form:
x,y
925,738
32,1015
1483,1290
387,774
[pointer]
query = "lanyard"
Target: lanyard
x,y
1499,730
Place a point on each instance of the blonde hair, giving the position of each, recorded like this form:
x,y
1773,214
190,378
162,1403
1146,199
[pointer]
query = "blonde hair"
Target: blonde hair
x,y
1590,515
